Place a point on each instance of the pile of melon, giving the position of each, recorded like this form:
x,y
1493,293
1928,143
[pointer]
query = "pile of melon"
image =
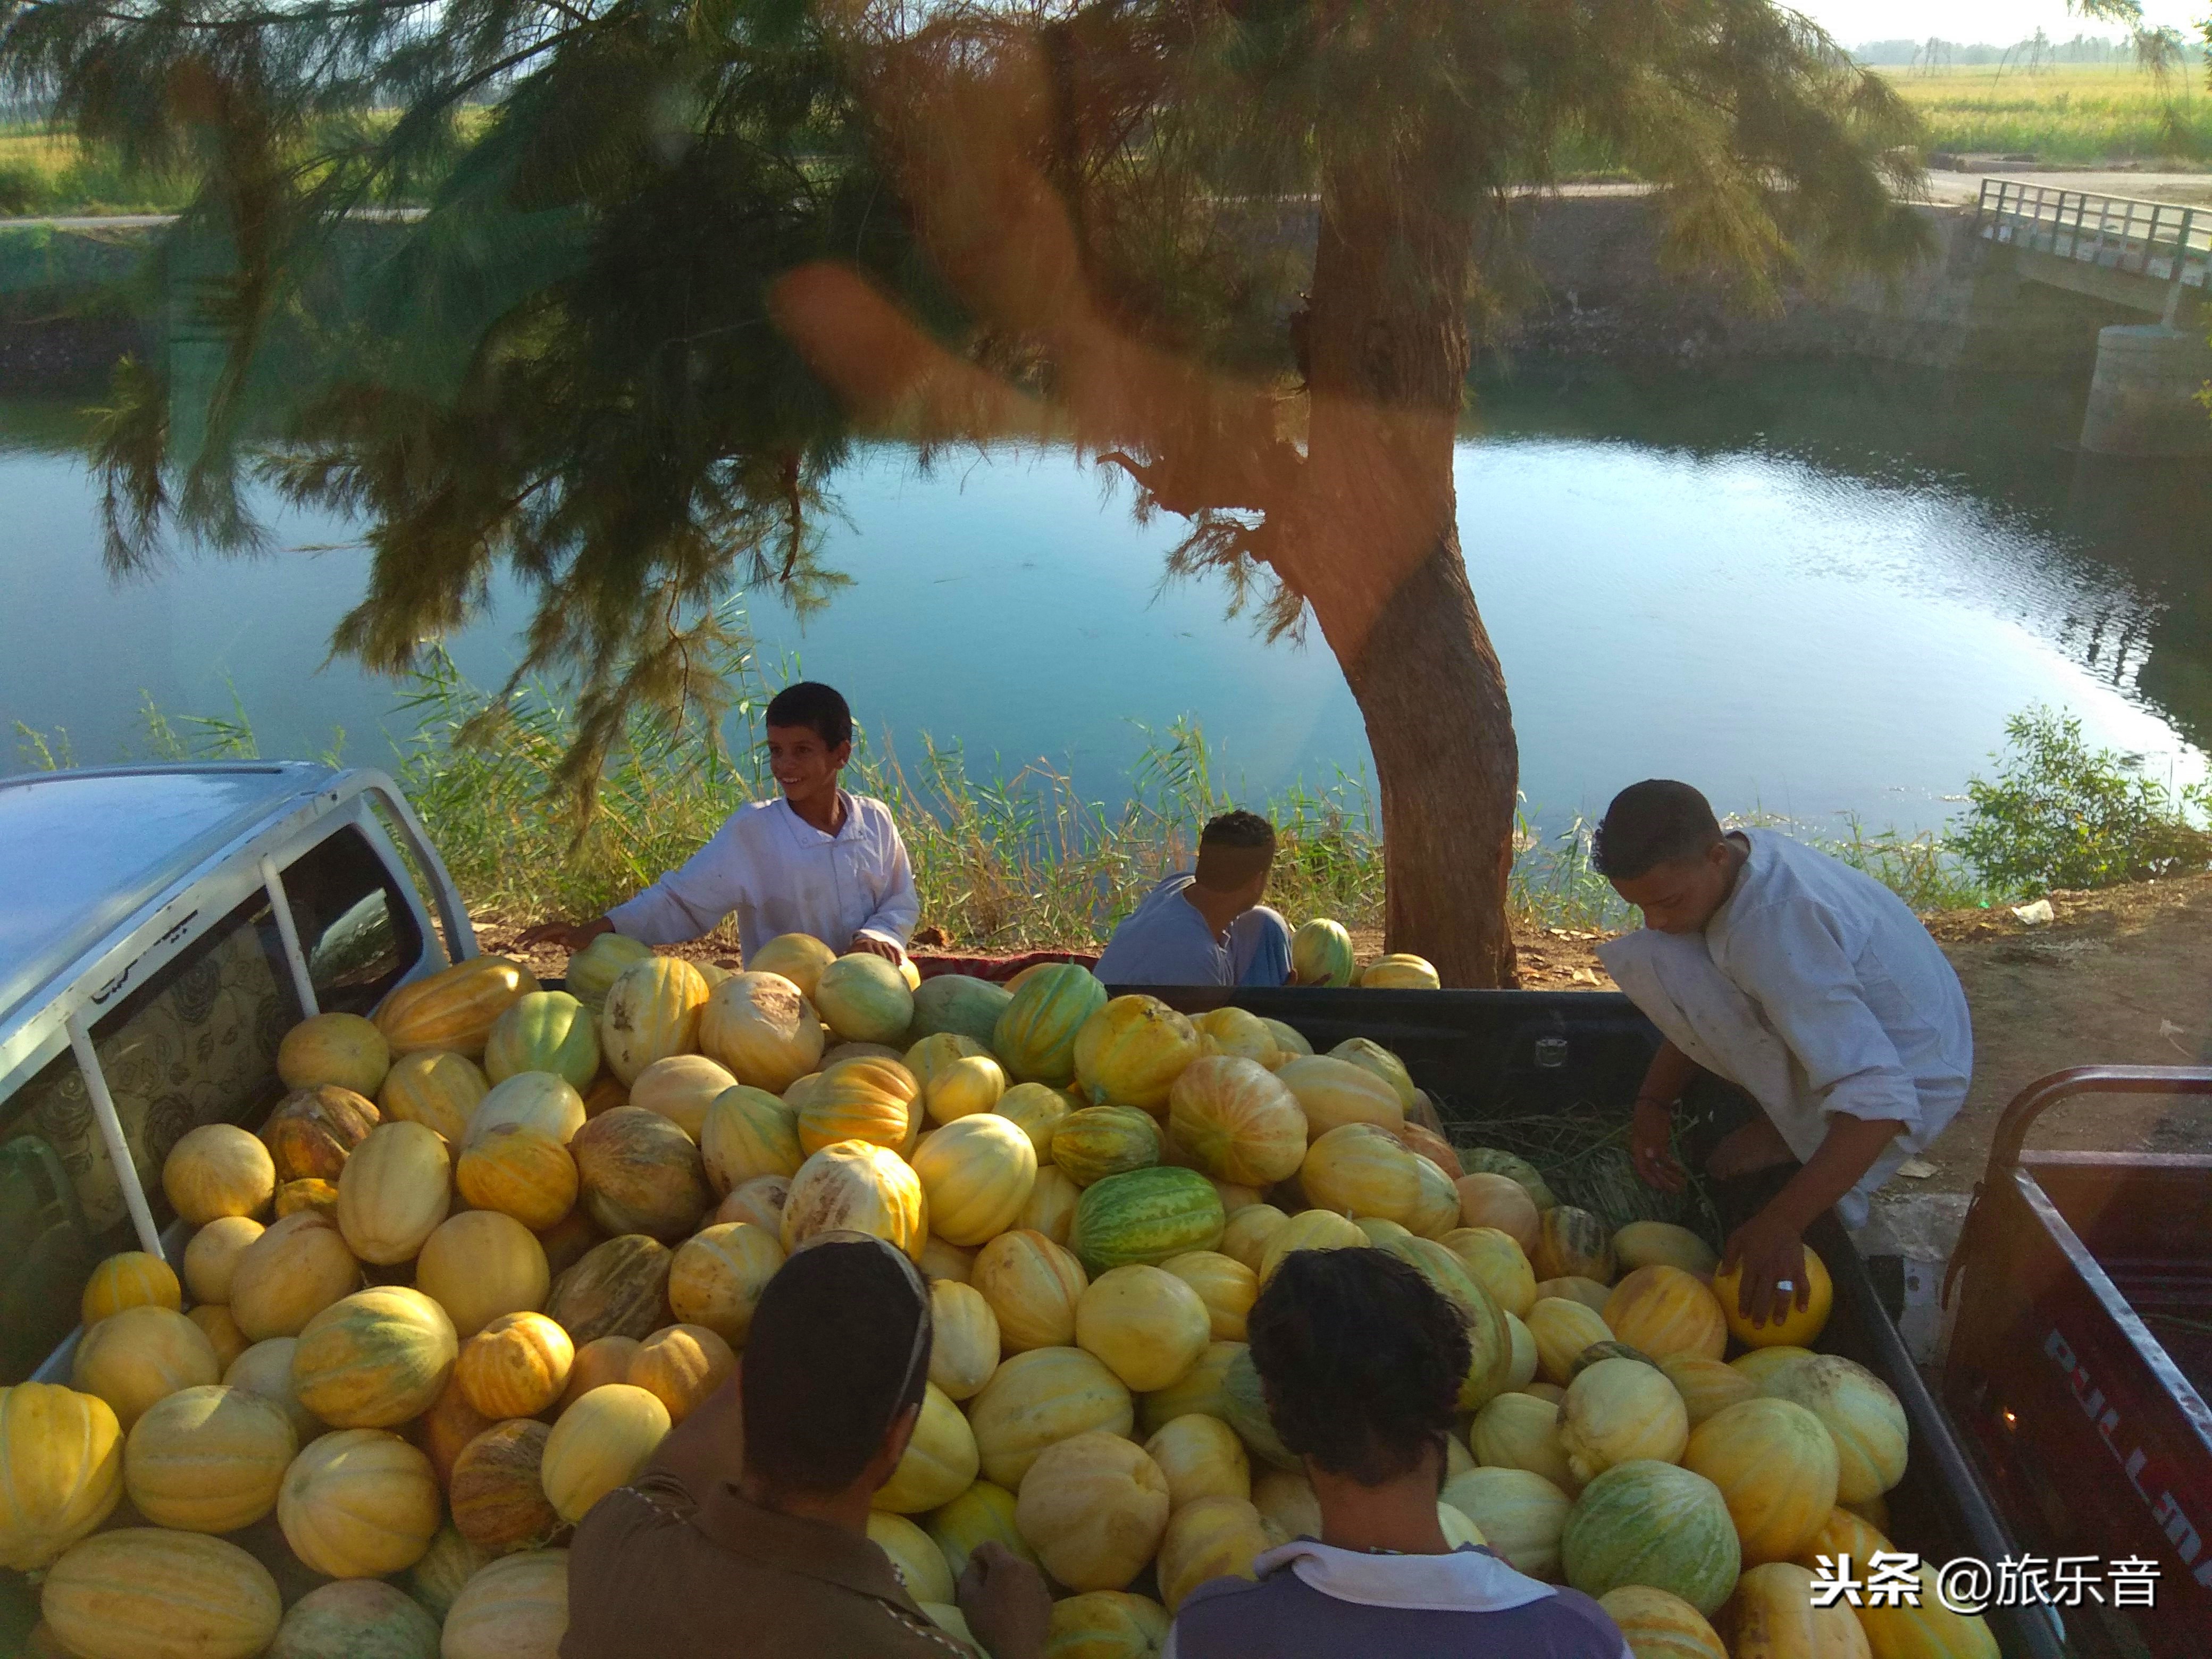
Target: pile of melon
x,y
498,1240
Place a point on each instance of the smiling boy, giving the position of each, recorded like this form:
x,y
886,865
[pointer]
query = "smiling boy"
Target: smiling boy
x,y
1806,983
818,861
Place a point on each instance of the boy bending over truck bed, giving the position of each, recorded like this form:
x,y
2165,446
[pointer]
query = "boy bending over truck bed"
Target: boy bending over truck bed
x,y
1806,983
817,861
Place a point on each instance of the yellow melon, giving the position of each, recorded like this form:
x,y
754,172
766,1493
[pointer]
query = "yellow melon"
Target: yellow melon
x,y
144,1354
359,1504
680,1088
965,1349
1309,1229
61,1470
1037,1399
396,1189
338,1049
1707,1386
454,1008
1489,1199
964,1086
1038,1111
857,1185
1094,1507
1208,1537
1130,1052
211,1256
1147,1325
1033,1286
1050,1207
652,1011
1363,1170
436,1088
516,1366
1660,1625
1201,1457
209,1459
914,1556
1776,1467
1563,1327
152,1593
516,1607
983,1514
601,1442
1249,1227
1619,1410
1332,1092
519,1171
1771,1615
717,1277
941,1460
760,1026
1225,1284
480,1264
374,1358
1518,1431
1663,1311
1107,1625
218,1169
799,957
681,1365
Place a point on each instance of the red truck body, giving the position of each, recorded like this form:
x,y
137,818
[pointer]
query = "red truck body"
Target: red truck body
x,y
2082,1354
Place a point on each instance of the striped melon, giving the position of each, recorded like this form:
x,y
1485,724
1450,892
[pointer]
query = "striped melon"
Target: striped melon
x,y
595,968
1032,1287
1146,1216
1619,1410
355,1618
544,1032
1361,1169
1666,1311
1658,1625
1099,1141
60,1471
956,1002
149,1592
651,1012
863,999
681,1087
872,1099
435,1087
749,1133
454,1009
1320,954
1775,1466
1649,1523
1332,1092
854,1184
1237,1120
1520,1513
1035,1036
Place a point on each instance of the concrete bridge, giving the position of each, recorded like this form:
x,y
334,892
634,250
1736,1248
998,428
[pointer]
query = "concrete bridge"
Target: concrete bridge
x,y
2149,257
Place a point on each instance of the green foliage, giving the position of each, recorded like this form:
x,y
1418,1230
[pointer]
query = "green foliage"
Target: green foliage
x,y
2060,814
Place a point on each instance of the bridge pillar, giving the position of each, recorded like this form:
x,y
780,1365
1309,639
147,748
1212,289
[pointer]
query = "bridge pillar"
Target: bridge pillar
x,y
2142,401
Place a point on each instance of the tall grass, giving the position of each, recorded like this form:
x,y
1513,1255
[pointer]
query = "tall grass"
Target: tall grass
x,y
2085,114
1003,863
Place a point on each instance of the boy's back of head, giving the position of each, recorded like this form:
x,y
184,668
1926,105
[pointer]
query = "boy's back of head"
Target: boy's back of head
x,y
820,708
1656,822
1362,1360
1234,847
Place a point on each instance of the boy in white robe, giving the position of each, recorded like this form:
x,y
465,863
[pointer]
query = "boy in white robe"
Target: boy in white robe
x,y
1805,983
817,861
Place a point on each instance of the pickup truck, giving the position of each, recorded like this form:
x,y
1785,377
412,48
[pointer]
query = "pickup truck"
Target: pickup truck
x,y
160,927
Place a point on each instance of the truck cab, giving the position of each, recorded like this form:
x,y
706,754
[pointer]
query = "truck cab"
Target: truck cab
x,y
160,928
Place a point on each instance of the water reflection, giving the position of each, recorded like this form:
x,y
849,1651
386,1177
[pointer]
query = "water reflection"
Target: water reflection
x,y
1815,589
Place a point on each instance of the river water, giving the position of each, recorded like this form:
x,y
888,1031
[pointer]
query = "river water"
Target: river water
x,y
1813,589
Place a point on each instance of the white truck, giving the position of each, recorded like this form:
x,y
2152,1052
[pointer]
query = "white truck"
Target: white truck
x,y
160,928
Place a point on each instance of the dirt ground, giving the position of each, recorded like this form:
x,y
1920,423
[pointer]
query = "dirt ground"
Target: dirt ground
x,y
2119,976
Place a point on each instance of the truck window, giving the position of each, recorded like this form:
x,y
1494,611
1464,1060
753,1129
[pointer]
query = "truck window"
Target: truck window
x,y
356,929
196,1043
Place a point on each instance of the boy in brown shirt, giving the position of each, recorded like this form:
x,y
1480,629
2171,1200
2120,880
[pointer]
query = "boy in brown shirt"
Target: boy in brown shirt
x,y
747,1535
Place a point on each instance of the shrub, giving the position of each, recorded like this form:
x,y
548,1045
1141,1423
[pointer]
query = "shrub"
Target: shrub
x,y
2061,815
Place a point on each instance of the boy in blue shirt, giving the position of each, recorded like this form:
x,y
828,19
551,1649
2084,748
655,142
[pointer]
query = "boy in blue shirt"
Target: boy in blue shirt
x,y
1207,927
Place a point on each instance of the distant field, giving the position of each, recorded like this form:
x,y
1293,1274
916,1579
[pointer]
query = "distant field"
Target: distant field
x,y
48,173
2064,113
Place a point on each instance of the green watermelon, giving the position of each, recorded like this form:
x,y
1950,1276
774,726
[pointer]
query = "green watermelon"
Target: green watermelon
x,y
957,1003
1034,1037
544,1032
1648,1522
1246,1407
1144,1216
1320,954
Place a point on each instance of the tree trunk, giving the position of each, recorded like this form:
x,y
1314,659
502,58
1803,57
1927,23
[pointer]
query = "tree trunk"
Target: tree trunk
x,y
1377,553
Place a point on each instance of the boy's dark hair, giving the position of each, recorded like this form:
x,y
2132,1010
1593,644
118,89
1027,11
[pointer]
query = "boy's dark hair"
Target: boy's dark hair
x,y
1232,848
1655,822
1362,1360
821,709
838,1347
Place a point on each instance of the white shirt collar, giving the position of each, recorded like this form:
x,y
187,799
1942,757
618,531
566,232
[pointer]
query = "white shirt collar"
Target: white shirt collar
x,y
1466,1581
804,834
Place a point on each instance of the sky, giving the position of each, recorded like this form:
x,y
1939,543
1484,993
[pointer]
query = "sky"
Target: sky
x,y
1999,22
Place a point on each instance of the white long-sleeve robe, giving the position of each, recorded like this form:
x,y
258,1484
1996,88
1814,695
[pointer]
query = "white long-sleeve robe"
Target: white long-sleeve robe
x,y
782,875
1816,990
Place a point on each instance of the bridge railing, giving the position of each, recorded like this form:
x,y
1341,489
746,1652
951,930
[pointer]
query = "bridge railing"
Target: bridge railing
x,y
2160,241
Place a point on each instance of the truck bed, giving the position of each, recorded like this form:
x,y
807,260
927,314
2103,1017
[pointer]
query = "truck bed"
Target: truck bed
x,y
1489,1057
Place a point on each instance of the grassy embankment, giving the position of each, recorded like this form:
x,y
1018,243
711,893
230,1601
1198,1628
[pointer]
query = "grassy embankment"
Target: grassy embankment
x,y
44,173
2065,113
1004,863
